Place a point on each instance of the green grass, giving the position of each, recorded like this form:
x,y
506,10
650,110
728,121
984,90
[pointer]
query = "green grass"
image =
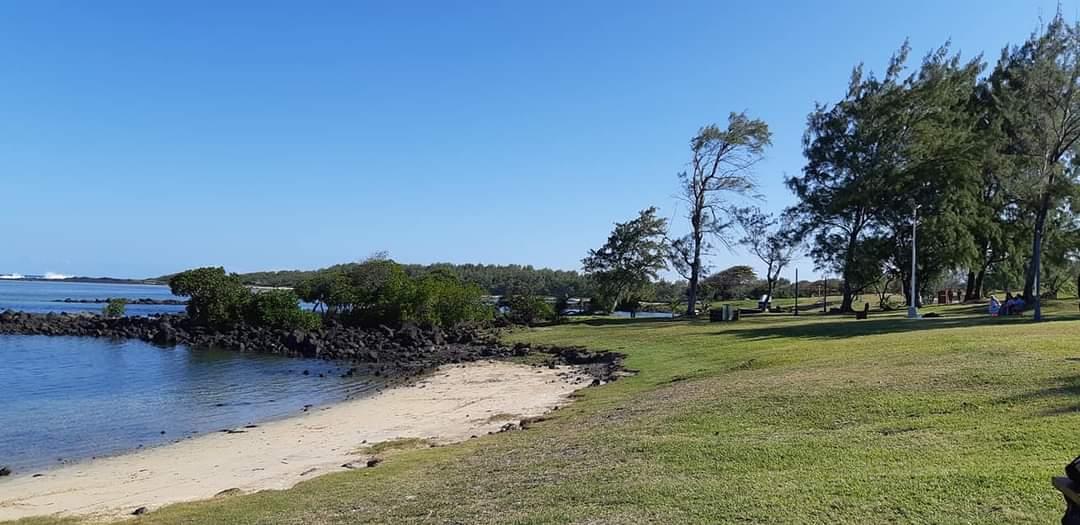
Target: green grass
x,y
774,419
395,445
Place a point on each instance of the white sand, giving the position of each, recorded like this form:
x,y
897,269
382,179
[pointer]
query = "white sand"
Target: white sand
x,y
451,405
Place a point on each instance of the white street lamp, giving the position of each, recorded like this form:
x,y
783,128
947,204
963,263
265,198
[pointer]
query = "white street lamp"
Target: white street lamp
x,y
913,309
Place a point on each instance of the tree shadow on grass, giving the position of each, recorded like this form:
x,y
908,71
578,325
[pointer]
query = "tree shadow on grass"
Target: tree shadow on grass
x,y
846,326
1068,389
621,321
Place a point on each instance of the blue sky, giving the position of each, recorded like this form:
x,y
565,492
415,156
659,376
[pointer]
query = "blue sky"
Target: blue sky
x,y
140,138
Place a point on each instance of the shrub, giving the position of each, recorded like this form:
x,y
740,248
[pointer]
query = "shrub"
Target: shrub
x,y
279,309
115,308
216,298
528,309
381,293
329,290
441,299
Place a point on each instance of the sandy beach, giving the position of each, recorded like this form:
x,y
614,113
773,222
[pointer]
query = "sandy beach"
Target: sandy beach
x,y
452,404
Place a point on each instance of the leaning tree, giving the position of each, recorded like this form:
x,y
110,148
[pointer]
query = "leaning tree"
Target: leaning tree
x,y
632,257
721,166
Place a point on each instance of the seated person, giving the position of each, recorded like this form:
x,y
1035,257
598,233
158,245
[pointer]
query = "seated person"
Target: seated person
x,y
1017,306
1007,304
995,306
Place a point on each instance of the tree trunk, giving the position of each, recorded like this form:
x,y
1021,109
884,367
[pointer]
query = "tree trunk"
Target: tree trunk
x,y
695,276
979,278
1031,280
849,261
695,266
969,290
848,297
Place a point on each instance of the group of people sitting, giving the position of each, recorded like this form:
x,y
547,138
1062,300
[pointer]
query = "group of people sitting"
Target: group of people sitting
x,y
1013,305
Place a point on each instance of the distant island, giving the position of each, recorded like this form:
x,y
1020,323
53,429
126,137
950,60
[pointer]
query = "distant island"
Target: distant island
x,y
76,279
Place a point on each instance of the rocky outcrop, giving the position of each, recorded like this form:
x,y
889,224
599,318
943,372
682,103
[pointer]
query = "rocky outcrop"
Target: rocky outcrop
x,y
382,351
142,300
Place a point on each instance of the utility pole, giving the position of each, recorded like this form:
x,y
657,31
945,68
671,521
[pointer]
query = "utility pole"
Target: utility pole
x,y
913,308
796,291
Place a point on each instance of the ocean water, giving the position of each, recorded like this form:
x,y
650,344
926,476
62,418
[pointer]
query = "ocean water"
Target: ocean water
x,y
43,296
66,399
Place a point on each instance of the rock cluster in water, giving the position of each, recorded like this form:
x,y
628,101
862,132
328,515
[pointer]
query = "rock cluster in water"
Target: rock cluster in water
x,y
403,351
141,300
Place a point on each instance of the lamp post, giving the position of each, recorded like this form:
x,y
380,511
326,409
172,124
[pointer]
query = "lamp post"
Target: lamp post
x,y
913,308
825,296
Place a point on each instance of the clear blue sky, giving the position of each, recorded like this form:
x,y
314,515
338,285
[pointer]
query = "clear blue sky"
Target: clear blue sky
x,y
139,138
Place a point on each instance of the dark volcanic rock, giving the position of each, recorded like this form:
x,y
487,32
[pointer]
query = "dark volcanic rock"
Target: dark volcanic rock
x,y
384,351
5,471
142,300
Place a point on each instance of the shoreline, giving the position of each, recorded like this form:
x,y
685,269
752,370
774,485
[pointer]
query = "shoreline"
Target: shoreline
x,y
449,405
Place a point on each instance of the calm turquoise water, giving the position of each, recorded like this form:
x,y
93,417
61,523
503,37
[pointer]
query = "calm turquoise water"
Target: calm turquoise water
x,y
67,399
70,398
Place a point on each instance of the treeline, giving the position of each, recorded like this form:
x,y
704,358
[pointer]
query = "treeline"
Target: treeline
x,y
978,163
509,279
368,294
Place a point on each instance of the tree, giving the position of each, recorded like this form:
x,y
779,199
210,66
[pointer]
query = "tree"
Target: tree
x,y
941,150
996,226
847,146
673,294
888,284
721,164
216,298
633,255
327,290
527,309
890,144
443,300
381,293
730,283
770,241
1037,88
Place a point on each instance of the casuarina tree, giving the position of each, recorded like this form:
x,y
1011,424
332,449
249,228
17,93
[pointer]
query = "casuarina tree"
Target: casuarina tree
x,y
1037,89
632,257
721,166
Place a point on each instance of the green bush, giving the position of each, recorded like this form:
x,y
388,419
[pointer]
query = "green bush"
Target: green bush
x,y
115,308
529,309
327,290
374,292
216,298
441,299
279,309
380,293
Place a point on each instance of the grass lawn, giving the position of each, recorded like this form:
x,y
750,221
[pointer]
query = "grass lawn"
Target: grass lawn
x,y
774,419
